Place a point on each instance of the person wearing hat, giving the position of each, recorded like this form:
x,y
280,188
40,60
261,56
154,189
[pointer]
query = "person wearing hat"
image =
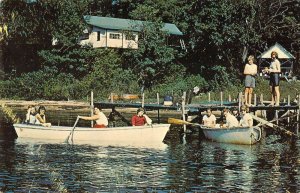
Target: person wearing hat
x,y
140,118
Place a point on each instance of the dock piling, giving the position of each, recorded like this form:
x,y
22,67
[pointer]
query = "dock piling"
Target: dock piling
x,y
92,107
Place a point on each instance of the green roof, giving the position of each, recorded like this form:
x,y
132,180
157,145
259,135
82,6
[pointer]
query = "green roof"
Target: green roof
x,y
126,24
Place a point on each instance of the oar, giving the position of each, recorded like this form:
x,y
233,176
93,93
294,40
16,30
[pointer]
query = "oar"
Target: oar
x,y
272,125
180,122
67,139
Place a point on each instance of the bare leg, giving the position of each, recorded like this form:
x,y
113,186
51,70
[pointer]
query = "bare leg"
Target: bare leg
x,y
277,93
246,95
250,96
273,95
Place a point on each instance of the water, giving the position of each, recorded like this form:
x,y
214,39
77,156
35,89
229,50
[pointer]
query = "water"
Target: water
x,y
190,165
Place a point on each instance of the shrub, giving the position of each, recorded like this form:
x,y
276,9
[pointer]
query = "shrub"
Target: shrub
x,y
42,84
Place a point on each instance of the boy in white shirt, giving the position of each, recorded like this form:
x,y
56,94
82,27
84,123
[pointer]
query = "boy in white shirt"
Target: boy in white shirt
x,y
209,119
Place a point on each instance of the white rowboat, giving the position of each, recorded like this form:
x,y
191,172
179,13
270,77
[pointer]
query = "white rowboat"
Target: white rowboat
x,y
138,136
234,135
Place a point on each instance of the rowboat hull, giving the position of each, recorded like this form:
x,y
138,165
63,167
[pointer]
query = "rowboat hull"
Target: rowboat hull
x,y
141,136
235,135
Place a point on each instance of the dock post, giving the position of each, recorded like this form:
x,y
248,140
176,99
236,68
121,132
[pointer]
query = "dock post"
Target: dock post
x,y
209,97
143,100
255,101
92,107
276,117
112,97
158,118
298,111
240,100
288,104
229,97
221,96
183,110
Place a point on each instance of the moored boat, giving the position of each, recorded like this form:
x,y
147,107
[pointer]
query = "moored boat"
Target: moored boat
x,y
138,136
234,135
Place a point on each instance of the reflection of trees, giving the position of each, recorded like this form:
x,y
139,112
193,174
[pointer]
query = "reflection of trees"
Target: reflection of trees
x,y
277,166
206,166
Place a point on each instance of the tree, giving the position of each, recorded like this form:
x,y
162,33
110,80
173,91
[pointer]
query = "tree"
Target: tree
x,y
154,59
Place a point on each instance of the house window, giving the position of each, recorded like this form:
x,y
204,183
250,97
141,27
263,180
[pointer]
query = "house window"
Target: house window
x,y
85,36
130,37
98,36
114,36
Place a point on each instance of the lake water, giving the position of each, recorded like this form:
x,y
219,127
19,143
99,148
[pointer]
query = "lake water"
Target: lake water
x,y
191,164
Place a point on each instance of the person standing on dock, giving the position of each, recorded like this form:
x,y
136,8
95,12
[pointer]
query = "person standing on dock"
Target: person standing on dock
x,y
231,121
274,72
209,119
140,118
250,72
99,117
246,120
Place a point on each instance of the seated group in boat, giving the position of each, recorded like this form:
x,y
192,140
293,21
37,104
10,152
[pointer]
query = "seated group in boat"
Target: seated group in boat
x,y
38,118
232,121
99,117
140,118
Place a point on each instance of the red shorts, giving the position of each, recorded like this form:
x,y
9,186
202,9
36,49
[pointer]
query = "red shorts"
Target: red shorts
x,y
99,126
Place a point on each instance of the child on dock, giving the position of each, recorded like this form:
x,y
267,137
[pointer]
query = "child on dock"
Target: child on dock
x,y
274,71
250,72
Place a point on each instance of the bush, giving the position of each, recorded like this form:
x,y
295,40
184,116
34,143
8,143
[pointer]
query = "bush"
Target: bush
x,y
179,85
42,84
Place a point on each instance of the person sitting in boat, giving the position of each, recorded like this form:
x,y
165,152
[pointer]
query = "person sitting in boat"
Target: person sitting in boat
x,y
140,118
30,115
231,121
99,117
246,120
209,119
236,113
41,117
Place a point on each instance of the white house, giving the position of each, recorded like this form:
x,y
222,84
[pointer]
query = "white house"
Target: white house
x,y
117,33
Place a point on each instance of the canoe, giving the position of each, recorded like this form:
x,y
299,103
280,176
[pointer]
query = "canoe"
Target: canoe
x,y
138,136
234,135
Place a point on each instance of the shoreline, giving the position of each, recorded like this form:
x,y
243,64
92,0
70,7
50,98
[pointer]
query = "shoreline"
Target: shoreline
x,y
73,105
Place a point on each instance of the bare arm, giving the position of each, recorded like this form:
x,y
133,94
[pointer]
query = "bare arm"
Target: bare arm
x,y
41,120
92,118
